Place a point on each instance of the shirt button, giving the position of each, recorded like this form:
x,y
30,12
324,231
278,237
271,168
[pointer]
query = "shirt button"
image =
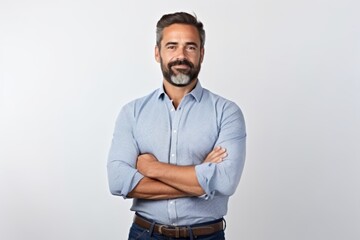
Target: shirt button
x,y
173,155
174,131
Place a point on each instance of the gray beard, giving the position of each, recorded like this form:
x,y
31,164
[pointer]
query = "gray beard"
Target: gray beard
x,y
180,79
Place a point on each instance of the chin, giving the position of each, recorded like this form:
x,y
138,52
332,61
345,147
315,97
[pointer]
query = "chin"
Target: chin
x,y
180,80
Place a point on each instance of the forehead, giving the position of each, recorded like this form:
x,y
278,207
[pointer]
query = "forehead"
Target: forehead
x,y
180,32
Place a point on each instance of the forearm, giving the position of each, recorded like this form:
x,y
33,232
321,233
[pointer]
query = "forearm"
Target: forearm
x,y
180,177
153,189
183,178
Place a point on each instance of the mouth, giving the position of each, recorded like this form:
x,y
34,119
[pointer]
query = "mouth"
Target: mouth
x,y
181,68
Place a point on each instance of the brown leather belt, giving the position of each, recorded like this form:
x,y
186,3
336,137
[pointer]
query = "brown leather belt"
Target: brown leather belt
x,y
180,232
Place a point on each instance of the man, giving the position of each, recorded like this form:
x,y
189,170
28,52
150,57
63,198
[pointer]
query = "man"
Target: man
x,y
179,151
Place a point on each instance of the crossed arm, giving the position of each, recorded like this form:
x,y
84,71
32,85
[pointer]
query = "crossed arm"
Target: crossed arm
x,y
165,181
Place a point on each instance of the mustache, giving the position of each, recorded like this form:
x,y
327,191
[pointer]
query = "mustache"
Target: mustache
x,y
181,62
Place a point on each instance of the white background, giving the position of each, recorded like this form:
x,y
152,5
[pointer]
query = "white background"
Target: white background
x,y
67,67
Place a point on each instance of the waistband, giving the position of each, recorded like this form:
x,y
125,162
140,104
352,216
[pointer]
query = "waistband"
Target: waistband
x,y
180,231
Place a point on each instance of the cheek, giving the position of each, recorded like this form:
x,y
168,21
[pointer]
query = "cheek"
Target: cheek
x,y
166,58
196,57
197,61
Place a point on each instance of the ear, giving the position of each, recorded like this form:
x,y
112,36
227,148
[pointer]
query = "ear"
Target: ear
x,y
202,52
157,54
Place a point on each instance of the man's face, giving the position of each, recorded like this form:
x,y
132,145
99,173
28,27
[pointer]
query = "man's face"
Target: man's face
x,y
180,54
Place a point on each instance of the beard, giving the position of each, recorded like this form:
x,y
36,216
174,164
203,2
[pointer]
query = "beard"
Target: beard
x,y
183,77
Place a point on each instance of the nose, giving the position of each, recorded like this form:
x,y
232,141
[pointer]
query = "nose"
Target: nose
x,y
180,53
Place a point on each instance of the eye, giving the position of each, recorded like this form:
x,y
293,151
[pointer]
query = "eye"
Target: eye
x,y
171,47
191,48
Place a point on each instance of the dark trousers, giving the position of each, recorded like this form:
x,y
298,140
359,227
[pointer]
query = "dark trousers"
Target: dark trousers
x,y
138,233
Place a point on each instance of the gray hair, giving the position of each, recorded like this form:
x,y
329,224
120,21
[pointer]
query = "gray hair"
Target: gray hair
x,y
181,18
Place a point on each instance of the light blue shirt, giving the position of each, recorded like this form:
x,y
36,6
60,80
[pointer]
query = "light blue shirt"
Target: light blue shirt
x,y
182,136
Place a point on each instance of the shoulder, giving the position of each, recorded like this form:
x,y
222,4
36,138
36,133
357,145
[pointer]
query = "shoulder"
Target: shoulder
x,y
141,101
229,115
220,103
134,107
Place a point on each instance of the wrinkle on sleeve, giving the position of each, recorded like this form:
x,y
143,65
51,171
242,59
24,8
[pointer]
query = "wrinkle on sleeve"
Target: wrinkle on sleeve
x,y
223,178
121,166
204,173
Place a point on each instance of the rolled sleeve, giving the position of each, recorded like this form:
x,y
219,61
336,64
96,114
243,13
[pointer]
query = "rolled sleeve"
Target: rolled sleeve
x,y
223,178
121,165
122,179
204,173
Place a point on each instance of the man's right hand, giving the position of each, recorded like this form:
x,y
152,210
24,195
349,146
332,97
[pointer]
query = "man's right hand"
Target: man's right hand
x,y
217,155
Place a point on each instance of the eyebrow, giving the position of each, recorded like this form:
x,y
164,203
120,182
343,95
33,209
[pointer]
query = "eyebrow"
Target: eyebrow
x,y
186,44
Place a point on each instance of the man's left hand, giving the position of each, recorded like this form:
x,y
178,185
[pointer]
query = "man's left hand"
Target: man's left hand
x,y
146,162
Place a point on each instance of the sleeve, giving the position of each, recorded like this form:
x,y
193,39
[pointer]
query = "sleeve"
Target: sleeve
x,y
223,178
121,164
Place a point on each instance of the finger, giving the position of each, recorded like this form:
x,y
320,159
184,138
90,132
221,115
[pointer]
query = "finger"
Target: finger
x,y
214,152
217,151
220,153
217,148
220,158
215,155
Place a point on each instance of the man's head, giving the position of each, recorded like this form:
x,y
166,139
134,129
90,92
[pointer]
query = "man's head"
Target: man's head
x,y
180,18
180,39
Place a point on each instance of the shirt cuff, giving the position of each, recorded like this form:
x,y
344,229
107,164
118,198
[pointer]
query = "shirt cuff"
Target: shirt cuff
x,y
204,174
134,181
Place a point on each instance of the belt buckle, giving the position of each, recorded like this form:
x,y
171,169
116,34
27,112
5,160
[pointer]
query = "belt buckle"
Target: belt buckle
x,y
160,229
177,230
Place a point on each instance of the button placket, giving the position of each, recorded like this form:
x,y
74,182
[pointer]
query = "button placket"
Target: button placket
x,y
174,136
175,117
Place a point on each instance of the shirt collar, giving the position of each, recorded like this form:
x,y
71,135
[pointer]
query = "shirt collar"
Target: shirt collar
x,y
196,92
161,92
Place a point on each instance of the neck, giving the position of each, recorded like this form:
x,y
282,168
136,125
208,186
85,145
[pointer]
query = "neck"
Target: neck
x,y
175,93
